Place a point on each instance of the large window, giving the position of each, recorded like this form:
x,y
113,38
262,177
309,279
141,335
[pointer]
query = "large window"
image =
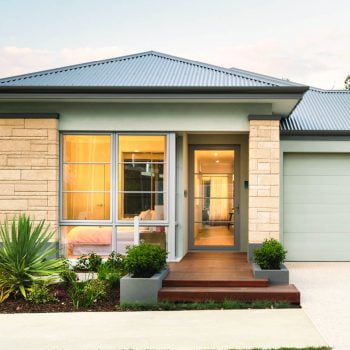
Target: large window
x,y
107,180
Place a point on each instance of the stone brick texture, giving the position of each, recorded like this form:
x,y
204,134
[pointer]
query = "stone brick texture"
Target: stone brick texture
x,y
264,180
29,163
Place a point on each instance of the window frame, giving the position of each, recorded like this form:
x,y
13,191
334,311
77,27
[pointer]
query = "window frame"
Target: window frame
x,y
165,191
68,222
114,180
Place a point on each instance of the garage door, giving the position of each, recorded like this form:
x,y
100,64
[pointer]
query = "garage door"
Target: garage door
x,y
316,206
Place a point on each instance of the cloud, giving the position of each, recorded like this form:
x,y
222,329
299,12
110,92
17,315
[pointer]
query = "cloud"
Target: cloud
x,y
16,60
19,60
319,59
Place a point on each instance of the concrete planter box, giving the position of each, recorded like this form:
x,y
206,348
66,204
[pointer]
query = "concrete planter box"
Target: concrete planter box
x,y
275,276
141,290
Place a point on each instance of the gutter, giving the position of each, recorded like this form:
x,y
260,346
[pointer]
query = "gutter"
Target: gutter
x,y
162,92
288,133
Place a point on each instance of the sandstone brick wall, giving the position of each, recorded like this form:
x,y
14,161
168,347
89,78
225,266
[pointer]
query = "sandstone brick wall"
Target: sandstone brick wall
x,y
29,168
264,173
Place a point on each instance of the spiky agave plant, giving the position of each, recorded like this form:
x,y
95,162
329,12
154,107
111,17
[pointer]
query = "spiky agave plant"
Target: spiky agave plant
x,y
25,255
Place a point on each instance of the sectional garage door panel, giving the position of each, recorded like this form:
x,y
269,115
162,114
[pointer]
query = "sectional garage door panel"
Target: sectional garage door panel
x,y
316,208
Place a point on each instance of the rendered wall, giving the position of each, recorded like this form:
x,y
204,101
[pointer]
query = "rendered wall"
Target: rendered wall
x,y
197,117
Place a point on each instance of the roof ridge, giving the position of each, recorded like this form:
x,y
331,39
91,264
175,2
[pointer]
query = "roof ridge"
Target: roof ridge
x,y
269,77
205,65
328,91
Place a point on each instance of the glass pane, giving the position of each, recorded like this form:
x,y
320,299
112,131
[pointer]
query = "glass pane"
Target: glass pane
x,y
214,161
141,177
86,206
214,185
154,235
86,177
125,238
79,240
148,206
209,209
213,234
87,148
141,148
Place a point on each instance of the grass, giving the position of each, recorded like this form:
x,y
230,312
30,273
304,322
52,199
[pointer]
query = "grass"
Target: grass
x,y
206,305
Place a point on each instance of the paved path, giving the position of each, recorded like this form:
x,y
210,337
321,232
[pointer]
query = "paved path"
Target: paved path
x,y
158,330
325,297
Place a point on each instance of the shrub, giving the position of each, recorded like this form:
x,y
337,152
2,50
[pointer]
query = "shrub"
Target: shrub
x,y
84,294
116,261
270,255
145,260
40,293
26,255
88,262
68,276
110,275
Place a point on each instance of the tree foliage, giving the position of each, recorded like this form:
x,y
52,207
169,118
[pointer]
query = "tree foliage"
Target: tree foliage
x,y
347,82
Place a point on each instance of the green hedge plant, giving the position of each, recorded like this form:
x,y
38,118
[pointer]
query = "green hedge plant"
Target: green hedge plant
x,y
88,262
68,276
85,294
40,294
26,255
110,275
144,260
270,255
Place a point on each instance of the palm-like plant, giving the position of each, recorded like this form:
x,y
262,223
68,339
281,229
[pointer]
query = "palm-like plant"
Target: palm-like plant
x,y
25,255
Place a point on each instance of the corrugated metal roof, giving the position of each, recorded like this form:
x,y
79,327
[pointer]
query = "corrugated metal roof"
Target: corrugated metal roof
x,y
320,110
144,69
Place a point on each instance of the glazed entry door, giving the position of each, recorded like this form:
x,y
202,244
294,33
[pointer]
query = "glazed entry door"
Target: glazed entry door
x,y
213,198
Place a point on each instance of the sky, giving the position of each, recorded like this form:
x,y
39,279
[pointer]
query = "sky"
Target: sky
x,y
306,41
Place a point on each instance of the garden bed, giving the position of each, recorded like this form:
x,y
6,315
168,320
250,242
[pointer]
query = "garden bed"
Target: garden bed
x,y
64,303
111,303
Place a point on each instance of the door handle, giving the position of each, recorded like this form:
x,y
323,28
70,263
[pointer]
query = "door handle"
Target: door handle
x,y
237,209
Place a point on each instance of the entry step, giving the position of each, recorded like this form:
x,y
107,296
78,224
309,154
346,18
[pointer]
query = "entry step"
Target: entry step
x,y
286,292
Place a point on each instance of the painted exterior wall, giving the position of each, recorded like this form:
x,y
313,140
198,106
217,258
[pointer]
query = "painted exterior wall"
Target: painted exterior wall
x,y
29,169
182,195
188,117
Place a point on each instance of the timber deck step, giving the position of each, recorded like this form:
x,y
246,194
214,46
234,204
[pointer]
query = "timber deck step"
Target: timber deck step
x,y
286,292
241,282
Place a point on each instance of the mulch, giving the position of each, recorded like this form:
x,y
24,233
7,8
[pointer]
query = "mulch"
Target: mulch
x,y
64,304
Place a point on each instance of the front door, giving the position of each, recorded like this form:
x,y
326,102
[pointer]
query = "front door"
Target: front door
x,y
213,194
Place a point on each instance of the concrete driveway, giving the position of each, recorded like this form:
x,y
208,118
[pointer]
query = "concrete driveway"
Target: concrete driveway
x,y
325,297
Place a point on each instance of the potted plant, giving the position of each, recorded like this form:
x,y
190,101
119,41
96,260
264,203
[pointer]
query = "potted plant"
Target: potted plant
x,y
146,267
268,262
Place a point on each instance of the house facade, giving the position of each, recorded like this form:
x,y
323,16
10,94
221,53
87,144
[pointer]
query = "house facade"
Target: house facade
x,y
198,157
